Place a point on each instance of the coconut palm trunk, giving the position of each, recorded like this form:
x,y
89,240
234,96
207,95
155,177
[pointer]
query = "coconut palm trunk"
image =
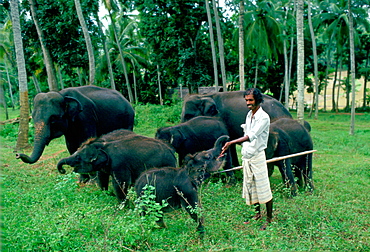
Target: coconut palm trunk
x,y
353,68
300,61
220,45
241,45
89,46
213,48
50,71
22,140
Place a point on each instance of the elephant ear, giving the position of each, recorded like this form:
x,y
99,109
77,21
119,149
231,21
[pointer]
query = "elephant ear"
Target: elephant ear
x,y
177,138
209,107
72,107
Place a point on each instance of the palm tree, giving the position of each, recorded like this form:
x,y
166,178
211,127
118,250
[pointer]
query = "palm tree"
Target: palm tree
x,y
316,71
220,44
50,71
212,39
106,52
300,60
262,32
353,67
22,140
88,42
112,7
241,45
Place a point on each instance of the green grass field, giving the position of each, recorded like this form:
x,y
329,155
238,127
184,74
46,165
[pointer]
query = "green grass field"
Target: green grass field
x,y
42,210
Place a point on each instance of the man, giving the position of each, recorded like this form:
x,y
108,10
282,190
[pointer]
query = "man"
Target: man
x,y
256,184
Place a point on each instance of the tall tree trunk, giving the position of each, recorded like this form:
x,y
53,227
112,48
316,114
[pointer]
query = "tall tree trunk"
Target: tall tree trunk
x,y
36,83
3,99
106,52
134,77
334,83
316,71
89,46
339,85
22,140
220,45
50,71
129,90
300,61
353,68
241,45
213,48
10,86
159,86
60,76
256,73
286,66
365,79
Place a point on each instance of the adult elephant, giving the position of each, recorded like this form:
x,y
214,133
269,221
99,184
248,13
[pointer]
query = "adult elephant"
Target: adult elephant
x,y
121,155
232,109
288,136
78,113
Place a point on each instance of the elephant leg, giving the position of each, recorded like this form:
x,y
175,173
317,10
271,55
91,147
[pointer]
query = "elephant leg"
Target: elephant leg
x,y
270,169
298,174
308,172
228,165
103,180
234,155
160,222
121,182
287,174
84,178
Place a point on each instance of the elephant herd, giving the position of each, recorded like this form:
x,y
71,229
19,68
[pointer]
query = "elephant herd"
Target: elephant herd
x,y
97,124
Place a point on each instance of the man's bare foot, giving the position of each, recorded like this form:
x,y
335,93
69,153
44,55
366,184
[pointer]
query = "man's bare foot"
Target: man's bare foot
x,y
254,218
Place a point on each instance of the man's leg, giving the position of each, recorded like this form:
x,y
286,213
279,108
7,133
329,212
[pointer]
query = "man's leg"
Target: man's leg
x,y
257,216
269,215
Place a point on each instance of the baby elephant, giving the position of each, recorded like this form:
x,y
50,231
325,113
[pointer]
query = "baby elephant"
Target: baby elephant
x,y
178,186
121,154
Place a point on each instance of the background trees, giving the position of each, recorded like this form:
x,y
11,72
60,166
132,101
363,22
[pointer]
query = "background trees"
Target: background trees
x,y
140,38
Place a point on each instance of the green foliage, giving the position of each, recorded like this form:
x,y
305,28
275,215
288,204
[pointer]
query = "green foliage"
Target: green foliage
x,y
42,210
149,209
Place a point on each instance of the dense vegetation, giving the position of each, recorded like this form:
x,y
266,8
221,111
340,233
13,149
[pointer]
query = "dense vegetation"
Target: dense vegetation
x,y
42,210
142,41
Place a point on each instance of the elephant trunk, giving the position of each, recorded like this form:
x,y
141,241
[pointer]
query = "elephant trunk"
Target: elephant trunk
x,y
60,164
220,143
41,140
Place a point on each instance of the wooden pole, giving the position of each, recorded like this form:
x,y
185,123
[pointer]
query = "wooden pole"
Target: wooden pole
x,y
273,160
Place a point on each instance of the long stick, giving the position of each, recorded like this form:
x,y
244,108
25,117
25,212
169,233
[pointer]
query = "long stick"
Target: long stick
x,y
273,160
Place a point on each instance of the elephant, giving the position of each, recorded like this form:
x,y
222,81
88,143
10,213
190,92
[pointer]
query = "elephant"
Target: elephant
x,y
179,186
78,113
232,109
288,136
121,154
197,134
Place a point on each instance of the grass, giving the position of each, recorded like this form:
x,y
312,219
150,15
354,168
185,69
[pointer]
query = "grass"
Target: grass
x,y
42,210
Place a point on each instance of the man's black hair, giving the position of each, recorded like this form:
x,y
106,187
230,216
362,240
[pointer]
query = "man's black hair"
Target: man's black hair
x,y
256,94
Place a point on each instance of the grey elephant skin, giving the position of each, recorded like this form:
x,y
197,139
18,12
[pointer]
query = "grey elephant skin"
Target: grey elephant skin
x,y
179,186
288,136
78,113
232,109
121,154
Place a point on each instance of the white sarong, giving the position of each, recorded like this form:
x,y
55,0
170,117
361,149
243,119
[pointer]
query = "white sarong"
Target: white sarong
x,y
256,183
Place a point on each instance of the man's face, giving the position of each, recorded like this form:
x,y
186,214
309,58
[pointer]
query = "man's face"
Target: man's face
x,y
251,102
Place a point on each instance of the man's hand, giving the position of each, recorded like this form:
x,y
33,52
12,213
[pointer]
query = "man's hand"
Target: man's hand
x,y
224,148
